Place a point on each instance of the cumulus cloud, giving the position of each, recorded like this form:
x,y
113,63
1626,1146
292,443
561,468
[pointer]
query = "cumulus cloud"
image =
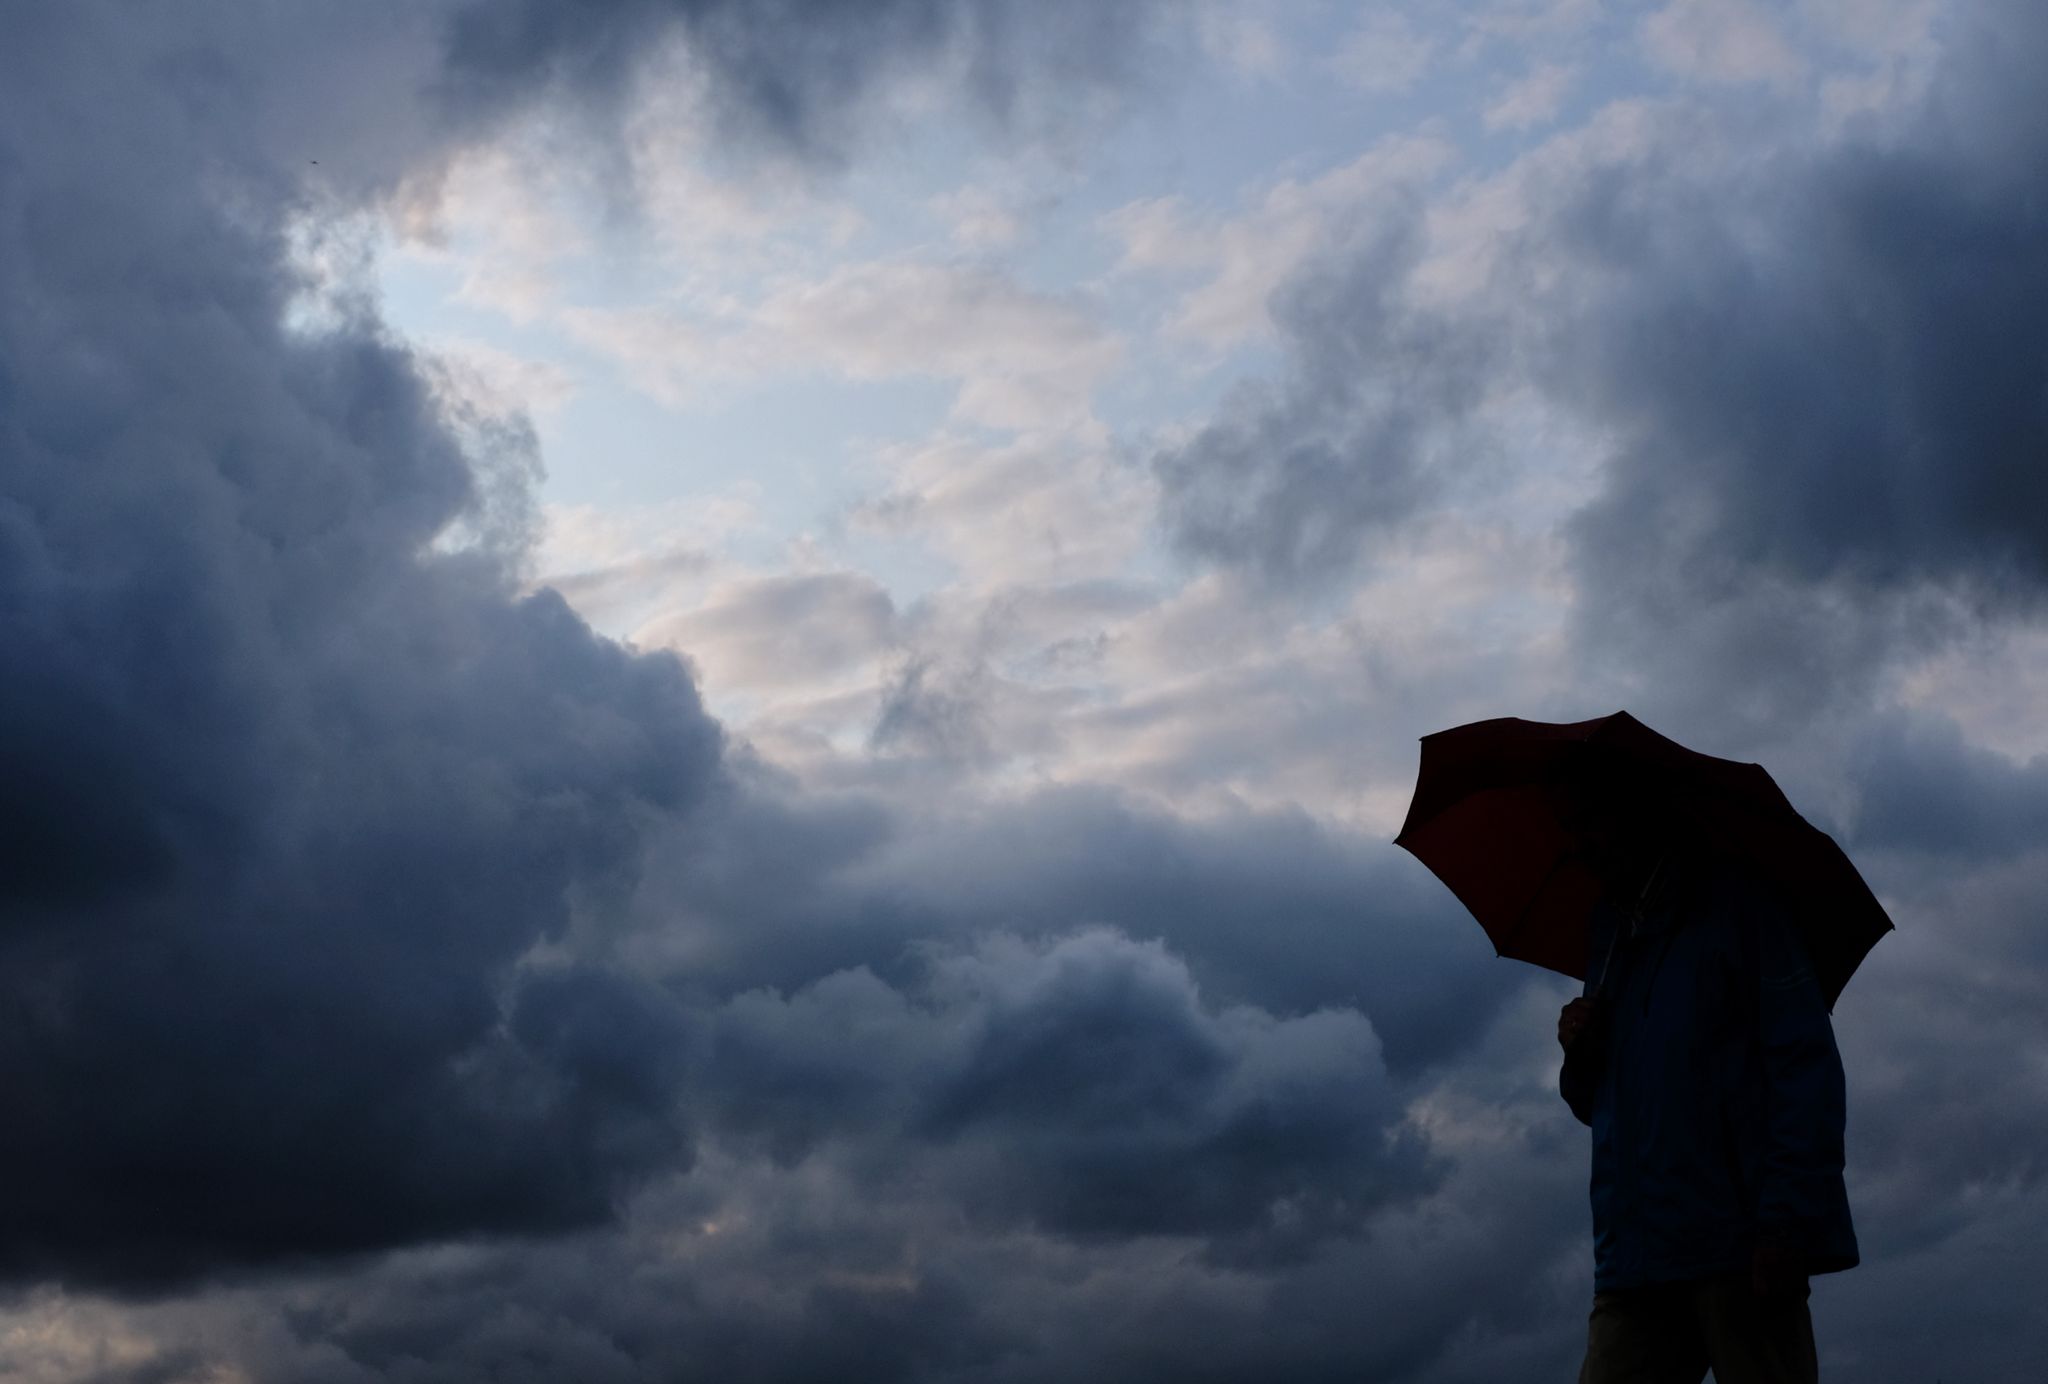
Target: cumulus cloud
x,y
1083,1087
292,786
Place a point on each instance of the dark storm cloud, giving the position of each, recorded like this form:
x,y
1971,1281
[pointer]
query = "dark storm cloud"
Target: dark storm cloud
x,y
340,785
856,1255
1270,909
1922,787
287,793
293,787
1822,374
1267,909
1827,376
1085,1088
1821,367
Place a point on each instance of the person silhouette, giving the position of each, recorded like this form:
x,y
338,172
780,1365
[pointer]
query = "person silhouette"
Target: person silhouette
x,y
1702,1059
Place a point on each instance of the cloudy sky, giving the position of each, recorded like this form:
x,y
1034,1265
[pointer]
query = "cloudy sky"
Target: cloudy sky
x,y
716,688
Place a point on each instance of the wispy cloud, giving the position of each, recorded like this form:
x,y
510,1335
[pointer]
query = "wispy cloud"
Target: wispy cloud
x,y
1386,54
1022,358
1241,261
1732,41
1532,99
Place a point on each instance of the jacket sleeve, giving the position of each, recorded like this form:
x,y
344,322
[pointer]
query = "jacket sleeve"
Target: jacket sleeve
x,y
1801,1204
1579,1080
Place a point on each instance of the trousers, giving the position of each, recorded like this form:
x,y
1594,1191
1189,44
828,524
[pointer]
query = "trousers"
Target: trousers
x,y
1673,1333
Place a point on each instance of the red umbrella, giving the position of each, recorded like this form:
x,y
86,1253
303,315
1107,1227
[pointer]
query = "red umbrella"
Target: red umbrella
x,y
1489,818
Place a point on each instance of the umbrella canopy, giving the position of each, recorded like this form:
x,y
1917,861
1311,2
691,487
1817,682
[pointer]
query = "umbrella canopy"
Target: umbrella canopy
x,y
1491,819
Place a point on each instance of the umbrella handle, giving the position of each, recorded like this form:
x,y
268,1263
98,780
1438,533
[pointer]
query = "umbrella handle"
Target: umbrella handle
x,y
1635,916
1600,977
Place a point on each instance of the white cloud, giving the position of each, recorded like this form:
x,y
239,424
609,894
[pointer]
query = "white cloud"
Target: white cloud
x,y
877,320
1470,226
504,216
1024,359
1034,508
978,219
1242,36
1877,28
619,567
1520,22
1897,53
780,632
664,353
713,220
499,380
1385,54
47,1337
1989,684
1212,698
1725,41
1243,259
1533,99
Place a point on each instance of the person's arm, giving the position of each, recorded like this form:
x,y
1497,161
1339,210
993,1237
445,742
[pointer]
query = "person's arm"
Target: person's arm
x,y
1800,1185
1579,1029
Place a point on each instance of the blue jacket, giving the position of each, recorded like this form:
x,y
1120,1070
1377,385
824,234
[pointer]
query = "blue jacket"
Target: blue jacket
x,y
1712,1085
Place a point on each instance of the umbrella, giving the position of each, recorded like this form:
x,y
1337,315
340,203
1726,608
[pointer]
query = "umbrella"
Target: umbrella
x,y
1489,818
